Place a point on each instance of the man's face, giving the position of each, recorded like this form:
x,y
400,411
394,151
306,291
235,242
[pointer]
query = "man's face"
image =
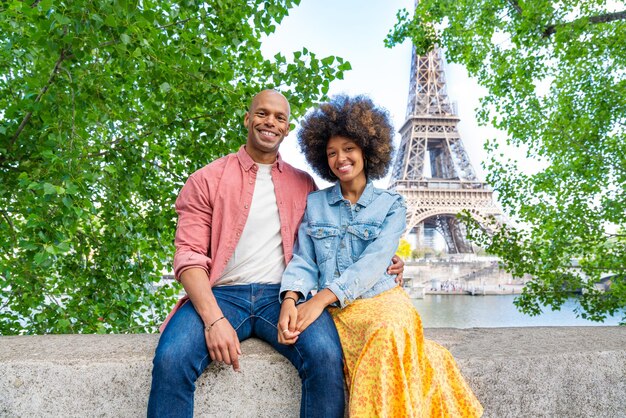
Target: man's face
x,y
268,124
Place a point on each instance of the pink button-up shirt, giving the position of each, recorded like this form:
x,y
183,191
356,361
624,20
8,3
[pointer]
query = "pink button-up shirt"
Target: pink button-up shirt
x,y
213,207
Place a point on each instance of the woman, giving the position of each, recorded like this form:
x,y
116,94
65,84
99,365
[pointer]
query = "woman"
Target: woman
x,y
348,234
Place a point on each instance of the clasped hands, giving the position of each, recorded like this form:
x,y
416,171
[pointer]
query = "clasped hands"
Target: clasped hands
x,y
294,318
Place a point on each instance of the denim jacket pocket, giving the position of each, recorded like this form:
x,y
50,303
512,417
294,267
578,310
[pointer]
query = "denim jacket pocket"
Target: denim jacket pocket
x,y
323,237
361,234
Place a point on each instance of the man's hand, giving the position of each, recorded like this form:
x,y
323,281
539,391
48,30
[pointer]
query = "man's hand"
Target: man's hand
x,y
221,339
287,333
397,267
223,343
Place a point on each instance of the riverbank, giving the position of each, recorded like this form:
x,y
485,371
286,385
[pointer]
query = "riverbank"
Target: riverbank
x,y
469,275
477,290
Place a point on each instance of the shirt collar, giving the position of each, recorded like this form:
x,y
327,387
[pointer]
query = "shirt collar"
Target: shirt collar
x,y
366,197
247,162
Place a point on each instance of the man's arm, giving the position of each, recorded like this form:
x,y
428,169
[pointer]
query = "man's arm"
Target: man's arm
x,y
192,265
221,338
397,268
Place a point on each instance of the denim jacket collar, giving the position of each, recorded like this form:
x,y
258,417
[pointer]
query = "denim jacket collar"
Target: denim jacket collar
x,y
366,197
247,162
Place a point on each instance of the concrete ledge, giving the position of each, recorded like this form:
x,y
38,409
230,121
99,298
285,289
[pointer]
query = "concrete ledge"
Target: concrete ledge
x,y
515,372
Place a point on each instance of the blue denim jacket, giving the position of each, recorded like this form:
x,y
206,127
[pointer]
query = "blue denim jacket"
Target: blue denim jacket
x,y
346,248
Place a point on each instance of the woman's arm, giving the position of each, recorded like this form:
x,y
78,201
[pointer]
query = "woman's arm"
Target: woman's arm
x,y
302,271
299,279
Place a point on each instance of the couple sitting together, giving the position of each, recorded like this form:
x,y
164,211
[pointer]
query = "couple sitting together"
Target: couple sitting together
x,y
262,253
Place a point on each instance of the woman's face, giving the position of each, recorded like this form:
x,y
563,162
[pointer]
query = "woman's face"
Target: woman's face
x,y
345,159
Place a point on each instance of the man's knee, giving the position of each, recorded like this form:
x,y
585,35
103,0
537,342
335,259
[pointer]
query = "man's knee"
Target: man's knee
x,y
172,360
166,360
321,344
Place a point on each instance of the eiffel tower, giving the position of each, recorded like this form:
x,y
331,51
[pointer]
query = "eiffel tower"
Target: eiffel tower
x,y
430,135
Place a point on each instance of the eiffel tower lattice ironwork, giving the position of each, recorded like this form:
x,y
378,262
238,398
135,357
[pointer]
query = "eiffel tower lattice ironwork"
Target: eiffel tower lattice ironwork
x,y
430,135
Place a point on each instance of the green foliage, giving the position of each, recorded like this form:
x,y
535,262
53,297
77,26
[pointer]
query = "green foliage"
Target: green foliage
x,y
105,108
554,72
423,252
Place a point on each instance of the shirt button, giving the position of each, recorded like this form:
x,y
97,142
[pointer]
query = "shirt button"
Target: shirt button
x,y
245,206
358,208
238,234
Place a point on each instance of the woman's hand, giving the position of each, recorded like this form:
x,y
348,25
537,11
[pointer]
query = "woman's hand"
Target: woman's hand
x,y
287,333
310,310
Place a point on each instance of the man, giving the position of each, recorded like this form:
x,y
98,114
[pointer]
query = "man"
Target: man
x,y
238,218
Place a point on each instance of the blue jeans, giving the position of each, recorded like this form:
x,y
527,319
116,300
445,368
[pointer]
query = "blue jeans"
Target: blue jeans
x,y
181,355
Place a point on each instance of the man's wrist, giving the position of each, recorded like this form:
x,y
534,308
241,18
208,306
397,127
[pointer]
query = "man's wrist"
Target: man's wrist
x,y
207,328
210,317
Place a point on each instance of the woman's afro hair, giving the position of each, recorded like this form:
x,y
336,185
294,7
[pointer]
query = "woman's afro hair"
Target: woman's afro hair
x,y
355,118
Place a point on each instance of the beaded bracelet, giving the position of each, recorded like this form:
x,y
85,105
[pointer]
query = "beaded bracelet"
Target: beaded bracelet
x,y
207,329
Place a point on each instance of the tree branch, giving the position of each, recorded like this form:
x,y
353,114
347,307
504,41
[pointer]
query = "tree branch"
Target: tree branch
x,y
39,96
6,217
515,6
605,18
176,23
5,304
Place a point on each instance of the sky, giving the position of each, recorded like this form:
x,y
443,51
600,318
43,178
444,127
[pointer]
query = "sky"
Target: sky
x,y
355,30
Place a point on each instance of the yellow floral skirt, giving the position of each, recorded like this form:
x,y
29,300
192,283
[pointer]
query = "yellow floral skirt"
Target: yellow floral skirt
x,y
391,370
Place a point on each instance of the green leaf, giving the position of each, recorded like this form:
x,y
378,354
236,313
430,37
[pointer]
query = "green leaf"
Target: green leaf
x,y
328,60
49,189
165,87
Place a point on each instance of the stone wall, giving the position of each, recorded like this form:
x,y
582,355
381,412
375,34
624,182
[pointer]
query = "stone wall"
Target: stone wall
x,y
515,372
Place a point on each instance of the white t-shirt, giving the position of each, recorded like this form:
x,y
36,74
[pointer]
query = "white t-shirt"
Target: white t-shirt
x,y
259,255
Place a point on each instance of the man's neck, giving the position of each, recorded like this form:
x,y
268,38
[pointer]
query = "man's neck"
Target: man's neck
x,y
261,157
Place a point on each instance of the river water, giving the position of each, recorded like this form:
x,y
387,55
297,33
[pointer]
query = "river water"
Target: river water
x,y
465,311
